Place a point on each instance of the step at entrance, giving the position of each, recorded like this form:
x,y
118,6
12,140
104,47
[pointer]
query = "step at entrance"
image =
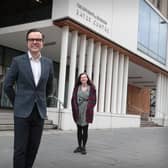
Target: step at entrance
x,y
7,123
147,123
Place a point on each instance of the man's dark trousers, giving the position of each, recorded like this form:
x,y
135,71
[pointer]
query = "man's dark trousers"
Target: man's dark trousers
x,y
28,132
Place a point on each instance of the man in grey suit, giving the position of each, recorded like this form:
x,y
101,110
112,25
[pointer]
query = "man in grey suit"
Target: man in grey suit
x,y
32,76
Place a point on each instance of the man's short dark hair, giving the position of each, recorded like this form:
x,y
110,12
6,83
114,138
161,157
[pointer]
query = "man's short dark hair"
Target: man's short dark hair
x,y
34,30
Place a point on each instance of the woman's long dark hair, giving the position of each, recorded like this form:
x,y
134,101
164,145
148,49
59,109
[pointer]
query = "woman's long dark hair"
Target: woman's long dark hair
x,y
78,82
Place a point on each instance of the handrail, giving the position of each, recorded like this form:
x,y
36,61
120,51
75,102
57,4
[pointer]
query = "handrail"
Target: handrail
x,y
57,99
59,110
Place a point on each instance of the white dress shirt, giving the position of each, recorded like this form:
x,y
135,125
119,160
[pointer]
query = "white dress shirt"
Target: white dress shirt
x,y
36,67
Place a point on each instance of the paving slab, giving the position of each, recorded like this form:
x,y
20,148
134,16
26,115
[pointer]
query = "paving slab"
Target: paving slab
x,y
107,148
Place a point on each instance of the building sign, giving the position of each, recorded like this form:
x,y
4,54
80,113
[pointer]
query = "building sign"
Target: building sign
x,y
91,18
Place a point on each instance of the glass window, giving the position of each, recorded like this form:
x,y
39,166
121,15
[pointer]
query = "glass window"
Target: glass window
x,y
24,11
162,42
152,33
144,25
6,55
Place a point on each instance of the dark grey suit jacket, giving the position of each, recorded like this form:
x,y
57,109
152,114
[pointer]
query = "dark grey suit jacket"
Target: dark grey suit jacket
x,y
26,92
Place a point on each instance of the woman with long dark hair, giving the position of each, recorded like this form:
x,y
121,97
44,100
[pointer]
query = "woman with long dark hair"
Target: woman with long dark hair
x,y
83,101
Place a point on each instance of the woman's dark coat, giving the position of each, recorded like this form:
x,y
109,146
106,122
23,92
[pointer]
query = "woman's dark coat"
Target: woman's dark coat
x,y
90,105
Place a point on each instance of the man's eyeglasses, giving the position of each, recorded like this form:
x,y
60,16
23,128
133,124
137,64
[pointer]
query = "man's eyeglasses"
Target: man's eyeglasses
x,y
32,40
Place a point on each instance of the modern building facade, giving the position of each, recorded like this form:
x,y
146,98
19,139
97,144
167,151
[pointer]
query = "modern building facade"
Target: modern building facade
x,y
122,45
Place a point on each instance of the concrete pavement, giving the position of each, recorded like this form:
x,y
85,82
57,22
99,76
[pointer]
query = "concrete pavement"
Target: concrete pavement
x,y
111,148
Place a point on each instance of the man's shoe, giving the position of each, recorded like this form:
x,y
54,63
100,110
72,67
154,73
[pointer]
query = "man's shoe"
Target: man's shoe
x,y
83,151
78,149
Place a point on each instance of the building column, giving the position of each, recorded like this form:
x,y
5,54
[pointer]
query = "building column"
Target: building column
x,y
89,63
164,102
96,70
63,60
114,82
164,97
82,53
158,96
120,83
109,80
125,85
102,79
72,70
161,98
161,113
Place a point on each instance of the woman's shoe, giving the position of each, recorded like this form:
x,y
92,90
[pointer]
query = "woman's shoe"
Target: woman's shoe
x,y
78,149
83,151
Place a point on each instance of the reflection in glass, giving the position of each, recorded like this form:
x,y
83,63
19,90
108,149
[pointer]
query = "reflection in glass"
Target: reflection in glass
x,y
152,33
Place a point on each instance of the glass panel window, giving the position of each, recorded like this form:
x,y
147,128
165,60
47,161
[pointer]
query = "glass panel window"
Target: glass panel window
x,y
152,33
162,42
6,55
144,25
24,11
